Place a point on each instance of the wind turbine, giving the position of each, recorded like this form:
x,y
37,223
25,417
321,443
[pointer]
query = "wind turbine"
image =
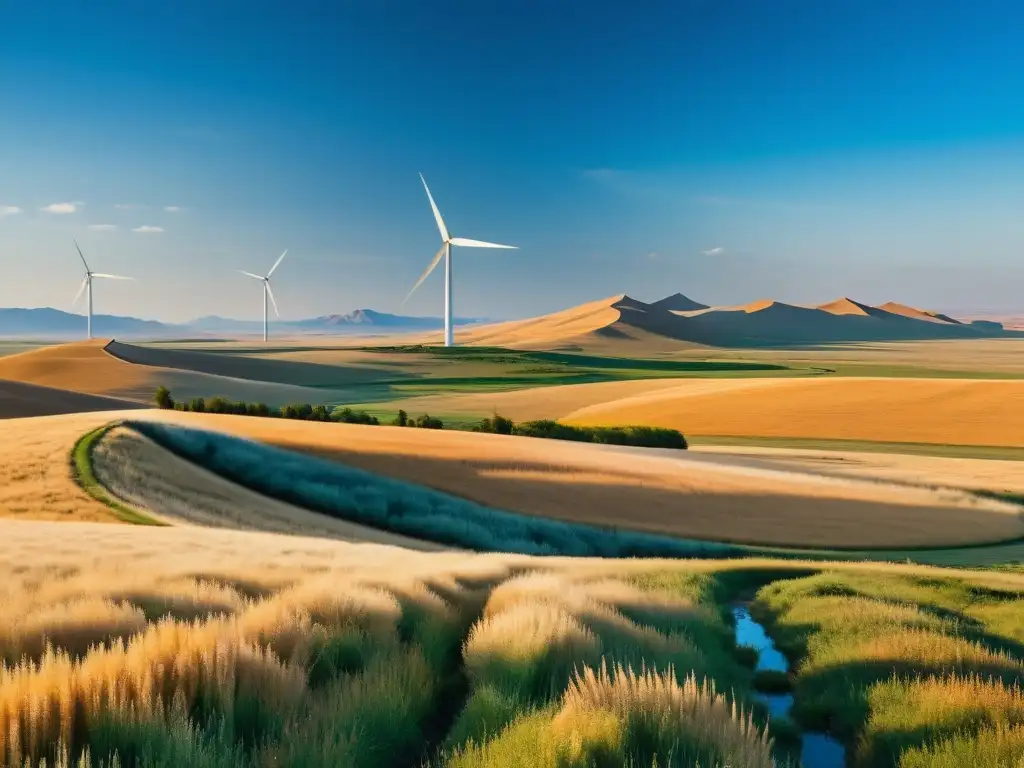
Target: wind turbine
x,y
266,290
447,241
87,284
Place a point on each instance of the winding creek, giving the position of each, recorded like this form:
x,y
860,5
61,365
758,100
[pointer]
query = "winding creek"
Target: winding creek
x,y
817,750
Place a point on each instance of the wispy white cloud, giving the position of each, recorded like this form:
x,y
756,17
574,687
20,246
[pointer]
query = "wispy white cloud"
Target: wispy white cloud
x,y
103,227
716,251
62,208
9,210
146,229
172,208
126,206
654,256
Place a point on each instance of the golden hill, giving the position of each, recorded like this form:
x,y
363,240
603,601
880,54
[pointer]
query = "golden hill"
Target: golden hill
x,y
111,369
939,411
918,314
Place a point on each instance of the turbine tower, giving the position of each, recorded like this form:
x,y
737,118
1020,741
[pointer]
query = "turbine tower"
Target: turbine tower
x,y
447,241
266,290
87,284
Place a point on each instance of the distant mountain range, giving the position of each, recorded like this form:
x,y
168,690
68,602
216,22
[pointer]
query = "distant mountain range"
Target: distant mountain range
x,y
673,319
49,323
624,321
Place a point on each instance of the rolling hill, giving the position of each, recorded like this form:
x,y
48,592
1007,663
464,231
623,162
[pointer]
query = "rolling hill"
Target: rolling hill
x,y
664,324
113,370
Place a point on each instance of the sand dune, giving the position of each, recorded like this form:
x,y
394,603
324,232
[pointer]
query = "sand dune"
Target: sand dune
x,y
918,314
88,367
18,400
845,306
624,322
942,411
563,326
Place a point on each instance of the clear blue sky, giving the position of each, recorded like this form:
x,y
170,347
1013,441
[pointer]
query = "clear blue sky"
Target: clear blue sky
x,y
728,149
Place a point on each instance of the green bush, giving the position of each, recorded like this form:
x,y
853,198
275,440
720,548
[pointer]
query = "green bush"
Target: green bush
x,y
426,421
348,416
401,420
497,425
163,398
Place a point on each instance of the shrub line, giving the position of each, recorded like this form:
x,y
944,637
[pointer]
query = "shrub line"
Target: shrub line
x,y
638,436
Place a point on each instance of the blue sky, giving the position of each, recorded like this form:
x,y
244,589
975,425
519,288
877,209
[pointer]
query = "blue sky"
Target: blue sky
x,y
728,149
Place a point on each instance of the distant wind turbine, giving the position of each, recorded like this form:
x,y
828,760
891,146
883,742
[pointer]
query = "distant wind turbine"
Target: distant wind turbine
x,y
267,293
447,241
87,284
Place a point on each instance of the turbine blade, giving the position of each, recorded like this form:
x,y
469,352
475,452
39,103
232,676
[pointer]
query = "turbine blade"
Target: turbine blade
x,y
111,277
250,274
437,214
279,260
270,293
80,255
81,290
465,242
434,263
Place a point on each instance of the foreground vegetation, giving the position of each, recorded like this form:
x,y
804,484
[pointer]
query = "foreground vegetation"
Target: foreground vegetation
x,y
403,659
404,508
906,670
651,437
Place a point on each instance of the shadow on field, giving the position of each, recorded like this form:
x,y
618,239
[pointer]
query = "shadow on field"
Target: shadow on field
x,y
256,368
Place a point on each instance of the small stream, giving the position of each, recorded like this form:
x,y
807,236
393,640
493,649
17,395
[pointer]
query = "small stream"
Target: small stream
x,y
817,750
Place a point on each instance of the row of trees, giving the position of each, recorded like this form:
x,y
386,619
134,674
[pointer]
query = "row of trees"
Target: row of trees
x,y
649,437
300,412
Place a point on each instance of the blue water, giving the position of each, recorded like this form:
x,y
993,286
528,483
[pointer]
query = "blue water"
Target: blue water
x,y
821,751
817,750
752,634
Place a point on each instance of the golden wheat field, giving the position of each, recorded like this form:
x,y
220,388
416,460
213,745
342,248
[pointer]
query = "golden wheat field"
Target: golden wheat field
x,y
942,411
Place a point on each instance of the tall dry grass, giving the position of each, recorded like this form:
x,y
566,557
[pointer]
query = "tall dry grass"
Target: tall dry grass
x,y
170,664
627,718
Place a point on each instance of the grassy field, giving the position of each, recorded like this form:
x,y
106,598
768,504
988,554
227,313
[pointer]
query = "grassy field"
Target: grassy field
x,y
906,670
984,452
229,648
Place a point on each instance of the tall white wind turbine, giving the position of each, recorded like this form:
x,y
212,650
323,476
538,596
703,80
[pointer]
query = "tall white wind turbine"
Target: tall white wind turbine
x,y
267,293
447,241
87,284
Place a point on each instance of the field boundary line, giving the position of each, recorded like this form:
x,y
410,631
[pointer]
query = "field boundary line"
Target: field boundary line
x,y
85,477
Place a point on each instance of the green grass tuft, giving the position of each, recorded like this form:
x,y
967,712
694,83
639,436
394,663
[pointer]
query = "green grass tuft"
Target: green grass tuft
x,y
85,476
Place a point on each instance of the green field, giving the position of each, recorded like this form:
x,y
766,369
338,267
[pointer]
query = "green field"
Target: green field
x,y
867,446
